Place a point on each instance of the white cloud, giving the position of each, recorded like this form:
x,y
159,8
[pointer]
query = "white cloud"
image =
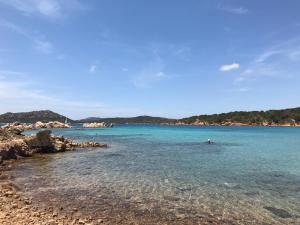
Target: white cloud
x,y
234,10
41,45
93,68
46,8
229,67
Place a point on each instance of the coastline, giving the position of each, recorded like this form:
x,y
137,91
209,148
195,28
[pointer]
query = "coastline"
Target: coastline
x,y
17,208
56,205
231,124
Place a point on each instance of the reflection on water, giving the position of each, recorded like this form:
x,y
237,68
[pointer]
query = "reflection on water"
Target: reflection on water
x,y
251,175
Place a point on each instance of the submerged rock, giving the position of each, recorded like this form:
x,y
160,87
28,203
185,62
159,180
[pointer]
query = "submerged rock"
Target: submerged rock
x,y
279,212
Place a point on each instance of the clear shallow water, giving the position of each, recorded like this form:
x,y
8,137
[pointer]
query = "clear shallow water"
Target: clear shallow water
x,y
249,174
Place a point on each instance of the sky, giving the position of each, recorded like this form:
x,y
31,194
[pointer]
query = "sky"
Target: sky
x,y
170,58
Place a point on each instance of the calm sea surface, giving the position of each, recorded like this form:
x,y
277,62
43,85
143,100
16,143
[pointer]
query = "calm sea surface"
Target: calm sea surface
x,y
250,174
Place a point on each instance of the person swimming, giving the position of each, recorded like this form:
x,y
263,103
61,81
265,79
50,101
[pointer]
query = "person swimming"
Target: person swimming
x,y
209,141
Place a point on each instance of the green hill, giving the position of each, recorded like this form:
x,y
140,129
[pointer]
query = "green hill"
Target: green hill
x,y
32,117
252,117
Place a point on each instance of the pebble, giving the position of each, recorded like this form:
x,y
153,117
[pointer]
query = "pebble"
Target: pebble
x,y
81,222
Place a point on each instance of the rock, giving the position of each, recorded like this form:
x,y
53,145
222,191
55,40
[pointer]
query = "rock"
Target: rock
x,y
97,125
14,145
19,127
91,144
81,221
28,202
278,212
51,124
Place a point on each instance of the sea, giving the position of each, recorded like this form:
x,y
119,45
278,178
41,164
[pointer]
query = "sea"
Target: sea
x,y
154,174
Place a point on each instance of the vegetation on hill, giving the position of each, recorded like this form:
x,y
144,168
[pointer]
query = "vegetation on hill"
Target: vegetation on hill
x,y
32,117
253,117
123,120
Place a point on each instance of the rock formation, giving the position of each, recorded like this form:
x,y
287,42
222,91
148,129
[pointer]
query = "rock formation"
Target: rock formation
x,y
14,145
97,125
37,125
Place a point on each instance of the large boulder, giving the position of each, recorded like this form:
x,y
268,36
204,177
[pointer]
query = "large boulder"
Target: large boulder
x,y
14,148
42,141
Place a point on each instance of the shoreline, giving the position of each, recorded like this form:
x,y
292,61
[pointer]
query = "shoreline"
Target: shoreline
x,y
18,208
70,205
230,125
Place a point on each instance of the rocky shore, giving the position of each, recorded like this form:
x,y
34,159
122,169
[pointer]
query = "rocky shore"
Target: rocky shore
x,y
13,144
37,125
16,209
291,123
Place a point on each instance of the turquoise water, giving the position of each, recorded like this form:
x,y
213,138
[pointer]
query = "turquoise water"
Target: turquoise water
x,y
250,174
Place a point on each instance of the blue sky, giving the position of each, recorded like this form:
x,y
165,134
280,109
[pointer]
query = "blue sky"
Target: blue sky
x,y
169,58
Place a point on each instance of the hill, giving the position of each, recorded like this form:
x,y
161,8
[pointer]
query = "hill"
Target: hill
x,y
123,120
270,117
32,117
252,118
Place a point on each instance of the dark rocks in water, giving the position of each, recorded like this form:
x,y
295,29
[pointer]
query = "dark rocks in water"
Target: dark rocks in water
x,y
171,198
13,145
184,189
279,212
113,155
91,144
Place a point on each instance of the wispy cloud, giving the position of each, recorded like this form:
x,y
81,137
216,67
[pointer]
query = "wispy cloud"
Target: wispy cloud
x,y
151,74
40,44
19,95
241,89
46,8
280,60
229,67
183,52
146,79
234,10
93,68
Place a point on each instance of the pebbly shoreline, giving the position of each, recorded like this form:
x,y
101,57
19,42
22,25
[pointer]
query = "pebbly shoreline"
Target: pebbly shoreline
x,y
19,208
15,208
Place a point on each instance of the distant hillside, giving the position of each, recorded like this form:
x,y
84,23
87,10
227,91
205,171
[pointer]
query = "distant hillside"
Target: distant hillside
x,y
270,117
252,117
31,117
122,120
